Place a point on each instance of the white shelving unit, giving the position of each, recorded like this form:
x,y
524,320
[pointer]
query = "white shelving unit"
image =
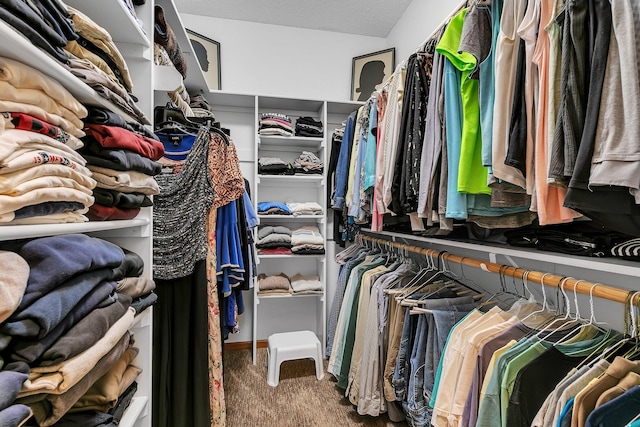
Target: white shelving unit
x,y
135,235
290,188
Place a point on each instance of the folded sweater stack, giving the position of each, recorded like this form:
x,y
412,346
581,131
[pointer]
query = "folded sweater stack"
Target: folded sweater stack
x,y
275,124
304,208
307,126
273,208
307,240
274,284
274,166
305,285
124,165
274,240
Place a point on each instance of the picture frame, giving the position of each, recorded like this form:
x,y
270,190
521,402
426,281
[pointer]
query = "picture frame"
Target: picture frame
x,y
369,71
207,52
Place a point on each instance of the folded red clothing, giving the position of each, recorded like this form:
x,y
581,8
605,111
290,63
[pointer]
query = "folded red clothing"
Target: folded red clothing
x,y
109,213
275,251
117,137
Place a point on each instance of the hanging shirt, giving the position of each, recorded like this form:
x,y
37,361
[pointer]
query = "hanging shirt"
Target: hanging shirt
x,y
472,176
550,200
393,118
506,56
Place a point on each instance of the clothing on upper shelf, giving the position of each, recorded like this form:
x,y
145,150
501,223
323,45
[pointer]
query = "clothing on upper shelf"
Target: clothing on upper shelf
x,y
164,36
275,124
106,87
49,28
95,44
440,141
309,127
33,92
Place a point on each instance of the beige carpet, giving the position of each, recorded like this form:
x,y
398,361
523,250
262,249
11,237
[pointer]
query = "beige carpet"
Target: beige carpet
x,y
299,400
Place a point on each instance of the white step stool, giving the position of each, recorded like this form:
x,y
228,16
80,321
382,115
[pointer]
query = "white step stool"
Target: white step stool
x,y
292,346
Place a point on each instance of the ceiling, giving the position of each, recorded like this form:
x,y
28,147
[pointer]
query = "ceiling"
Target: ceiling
x,y
364,17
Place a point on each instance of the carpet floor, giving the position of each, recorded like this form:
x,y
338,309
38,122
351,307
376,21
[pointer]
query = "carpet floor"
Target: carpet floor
x,y
299,400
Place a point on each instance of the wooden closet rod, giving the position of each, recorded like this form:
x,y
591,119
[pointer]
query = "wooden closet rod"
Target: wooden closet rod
x,y
581,286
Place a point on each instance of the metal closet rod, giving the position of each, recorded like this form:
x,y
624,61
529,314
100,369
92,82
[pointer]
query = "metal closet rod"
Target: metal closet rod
x,y
581,286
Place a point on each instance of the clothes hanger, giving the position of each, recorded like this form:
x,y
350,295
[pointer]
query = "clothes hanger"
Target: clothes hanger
x,y
452,280
163,114
415,282
634,352
567,319
172,126
543,308
593,322
615,348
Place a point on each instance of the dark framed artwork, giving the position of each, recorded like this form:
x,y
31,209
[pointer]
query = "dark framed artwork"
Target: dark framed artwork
x,y
207,52
369,71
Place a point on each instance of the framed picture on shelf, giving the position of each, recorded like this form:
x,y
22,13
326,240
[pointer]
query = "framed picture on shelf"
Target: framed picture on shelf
x,y
207,52
369,71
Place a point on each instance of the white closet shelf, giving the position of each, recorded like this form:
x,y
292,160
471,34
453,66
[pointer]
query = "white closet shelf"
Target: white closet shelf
x,y
605,265
30,231
195,81
274,104
343,108
231,99
18,47
290,180
116,19
276,296
288,143
134,412
166,78
319,218
318,256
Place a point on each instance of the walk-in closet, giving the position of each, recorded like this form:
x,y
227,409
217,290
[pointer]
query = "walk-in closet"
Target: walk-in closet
x,y
300,213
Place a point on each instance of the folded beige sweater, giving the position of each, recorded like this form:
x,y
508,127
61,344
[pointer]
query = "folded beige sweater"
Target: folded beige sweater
x,y
59,378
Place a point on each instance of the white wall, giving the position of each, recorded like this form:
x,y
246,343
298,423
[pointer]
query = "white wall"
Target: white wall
x,y
420,19
284,61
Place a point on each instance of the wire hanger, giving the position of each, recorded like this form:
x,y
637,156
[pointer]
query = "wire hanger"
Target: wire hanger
x,y
416,282
564,321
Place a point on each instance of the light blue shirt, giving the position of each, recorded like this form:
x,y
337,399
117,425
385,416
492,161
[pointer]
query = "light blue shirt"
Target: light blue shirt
x,y
456,201
370,154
